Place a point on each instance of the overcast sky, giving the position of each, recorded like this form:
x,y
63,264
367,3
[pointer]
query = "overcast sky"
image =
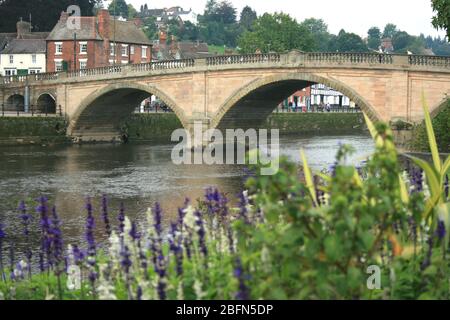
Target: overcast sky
x,y
413,16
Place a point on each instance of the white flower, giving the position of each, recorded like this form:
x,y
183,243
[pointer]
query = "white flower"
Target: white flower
x,y
199,293
180,291
189,217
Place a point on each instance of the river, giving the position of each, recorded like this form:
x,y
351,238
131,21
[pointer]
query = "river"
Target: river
x,y
135,174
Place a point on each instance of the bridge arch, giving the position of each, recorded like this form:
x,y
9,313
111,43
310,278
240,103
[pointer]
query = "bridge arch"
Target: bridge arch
x,y
100,113
264,90
46,103
435,110
15,102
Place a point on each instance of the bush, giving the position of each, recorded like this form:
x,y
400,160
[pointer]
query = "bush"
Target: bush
x,y
441,125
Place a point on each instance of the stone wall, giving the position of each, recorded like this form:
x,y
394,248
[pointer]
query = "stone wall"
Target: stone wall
x,y
159,127
37,130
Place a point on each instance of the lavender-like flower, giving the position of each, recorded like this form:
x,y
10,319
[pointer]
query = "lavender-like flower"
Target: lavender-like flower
x,y
175,247
243,292
201,233
46,234
2,236
105,215
243,204
158,219
440,230
121,218
58,246
92,250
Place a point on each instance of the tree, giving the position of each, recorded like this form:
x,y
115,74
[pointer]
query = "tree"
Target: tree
x,y
442,18
401,41
119,8
150,28
248,16
276,32
390,30
320,34
374,39
44,13
350,42
132,12
218,24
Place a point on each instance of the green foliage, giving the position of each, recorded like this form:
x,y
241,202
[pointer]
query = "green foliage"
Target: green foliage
x,y
44,14
348,42
374,39
441,125
118,8
390,30
293,237
150,28
32,127
319,32
276,32
247,18
442,18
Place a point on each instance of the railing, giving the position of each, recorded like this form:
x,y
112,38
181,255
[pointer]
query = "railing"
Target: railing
x,y
18,110
94,71
163,65
352,58
434,61
243,59
317,109
324,58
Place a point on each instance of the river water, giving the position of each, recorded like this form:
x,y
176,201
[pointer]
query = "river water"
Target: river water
x,y
135,174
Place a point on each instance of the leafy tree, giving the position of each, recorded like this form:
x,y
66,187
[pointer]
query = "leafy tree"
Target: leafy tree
x,y
276,32
390,30
44,13
374,39
132,12
350,42
442,18
118,7
150,28
248,16
401,41
319,32
218,24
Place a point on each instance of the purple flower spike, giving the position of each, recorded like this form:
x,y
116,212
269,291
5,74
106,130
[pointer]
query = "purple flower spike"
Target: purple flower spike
x,y
105,215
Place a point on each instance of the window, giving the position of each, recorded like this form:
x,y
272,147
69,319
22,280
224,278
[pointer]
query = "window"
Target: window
x,y
112,48
83,47
131,49
58,48
33,59
10,72
124,62
83,64
58,65
11,59
124,50
144,52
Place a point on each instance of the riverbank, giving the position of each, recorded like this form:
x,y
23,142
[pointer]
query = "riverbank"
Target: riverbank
x,y
159,126
33,130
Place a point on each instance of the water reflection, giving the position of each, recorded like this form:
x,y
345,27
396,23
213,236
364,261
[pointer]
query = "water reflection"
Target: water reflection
x,y
137,175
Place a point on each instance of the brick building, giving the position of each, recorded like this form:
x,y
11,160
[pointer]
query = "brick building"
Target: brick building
x,y
100,41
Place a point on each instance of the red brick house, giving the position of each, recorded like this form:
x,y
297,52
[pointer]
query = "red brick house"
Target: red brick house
x,y
100,41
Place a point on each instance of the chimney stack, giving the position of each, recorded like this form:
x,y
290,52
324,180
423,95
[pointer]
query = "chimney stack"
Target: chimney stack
x,y
104,23
23,28
64,16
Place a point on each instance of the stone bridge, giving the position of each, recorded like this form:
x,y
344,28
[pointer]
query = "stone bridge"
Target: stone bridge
x,y
237,91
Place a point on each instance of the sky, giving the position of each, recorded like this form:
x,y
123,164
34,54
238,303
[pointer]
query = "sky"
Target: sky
x,y
412,16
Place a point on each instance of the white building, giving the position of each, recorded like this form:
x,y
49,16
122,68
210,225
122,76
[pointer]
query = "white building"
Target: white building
x,y
22,57
22,52
323,95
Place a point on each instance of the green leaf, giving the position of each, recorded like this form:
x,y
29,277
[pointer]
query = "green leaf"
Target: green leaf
x,y
403,190
431,135
308,177
373,131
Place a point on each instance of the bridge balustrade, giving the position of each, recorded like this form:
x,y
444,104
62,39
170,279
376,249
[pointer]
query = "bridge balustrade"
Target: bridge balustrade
x,y
434,61
240,59
353,58
313,58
